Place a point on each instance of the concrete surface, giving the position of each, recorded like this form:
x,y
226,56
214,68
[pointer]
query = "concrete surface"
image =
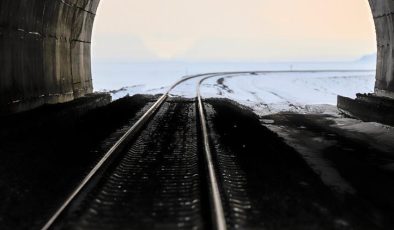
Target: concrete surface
x,y
45,51
353,159
368,107
382,11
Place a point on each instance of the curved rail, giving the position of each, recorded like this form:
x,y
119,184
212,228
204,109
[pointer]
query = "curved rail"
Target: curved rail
x,y
118,146
218,214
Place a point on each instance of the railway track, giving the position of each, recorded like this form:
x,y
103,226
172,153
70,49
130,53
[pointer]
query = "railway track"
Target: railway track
x,y
147,180
171,170
160,174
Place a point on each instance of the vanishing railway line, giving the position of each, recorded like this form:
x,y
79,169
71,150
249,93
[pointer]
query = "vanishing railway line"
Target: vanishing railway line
x,y
195,164
159,174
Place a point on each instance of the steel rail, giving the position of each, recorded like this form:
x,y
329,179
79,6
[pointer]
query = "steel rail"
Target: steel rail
x,y
118,147
120,144
132,131
218,216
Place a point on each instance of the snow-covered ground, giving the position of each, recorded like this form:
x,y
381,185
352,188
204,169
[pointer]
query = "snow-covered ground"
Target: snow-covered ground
x,y
266,93
290,91
112,75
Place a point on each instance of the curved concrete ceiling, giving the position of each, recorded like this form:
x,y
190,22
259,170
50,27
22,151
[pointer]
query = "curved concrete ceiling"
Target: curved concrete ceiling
x,y
45,50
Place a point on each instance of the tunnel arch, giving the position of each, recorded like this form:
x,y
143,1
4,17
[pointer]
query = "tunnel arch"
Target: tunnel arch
x,y
45,49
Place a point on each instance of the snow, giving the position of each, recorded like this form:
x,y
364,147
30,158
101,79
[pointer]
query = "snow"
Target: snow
x,y
303,92
111,75
271,92
293,91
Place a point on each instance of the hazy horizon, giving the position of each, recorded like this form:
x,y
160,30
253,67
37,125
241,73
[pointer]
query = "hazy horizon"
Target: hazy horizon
x,y
234,60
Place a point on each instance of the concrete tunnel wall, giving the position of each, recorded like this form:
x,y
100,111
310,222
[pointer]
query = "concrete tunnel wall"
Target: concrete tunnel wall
x,y
383,14
45,51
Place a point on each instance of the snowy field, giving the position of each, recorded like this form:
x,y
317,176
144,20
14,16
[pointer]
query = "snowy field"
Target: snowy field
x,y
115,75
302,92
266,93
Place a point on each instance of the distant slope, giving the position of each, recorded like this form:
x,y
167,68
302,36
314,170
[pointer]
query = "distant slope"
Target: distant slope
x,y
370,58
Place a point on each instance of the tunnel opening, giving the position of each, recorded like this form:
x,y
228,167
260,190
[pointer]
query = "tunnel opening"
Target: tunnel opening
x,y
154,44
46,46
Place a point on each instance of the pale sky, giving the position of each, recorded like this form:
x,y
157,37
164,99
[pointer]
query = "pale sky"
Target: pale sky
x,y
266,30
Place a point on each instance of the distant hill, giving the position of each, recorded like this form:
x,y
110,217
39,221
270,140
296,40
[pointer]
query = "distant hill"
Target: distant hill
x,y
370,58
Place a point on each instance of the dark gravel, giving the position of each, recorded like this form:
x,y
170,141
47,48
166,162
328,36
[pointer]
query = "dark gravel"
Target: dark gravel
x,y
267,184
45,152
159,182
155,185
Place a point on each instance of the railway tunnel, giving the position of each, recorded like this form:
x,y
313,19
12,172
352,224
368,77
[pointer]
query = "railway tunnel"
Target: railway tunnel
x,y
45,59
45,54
